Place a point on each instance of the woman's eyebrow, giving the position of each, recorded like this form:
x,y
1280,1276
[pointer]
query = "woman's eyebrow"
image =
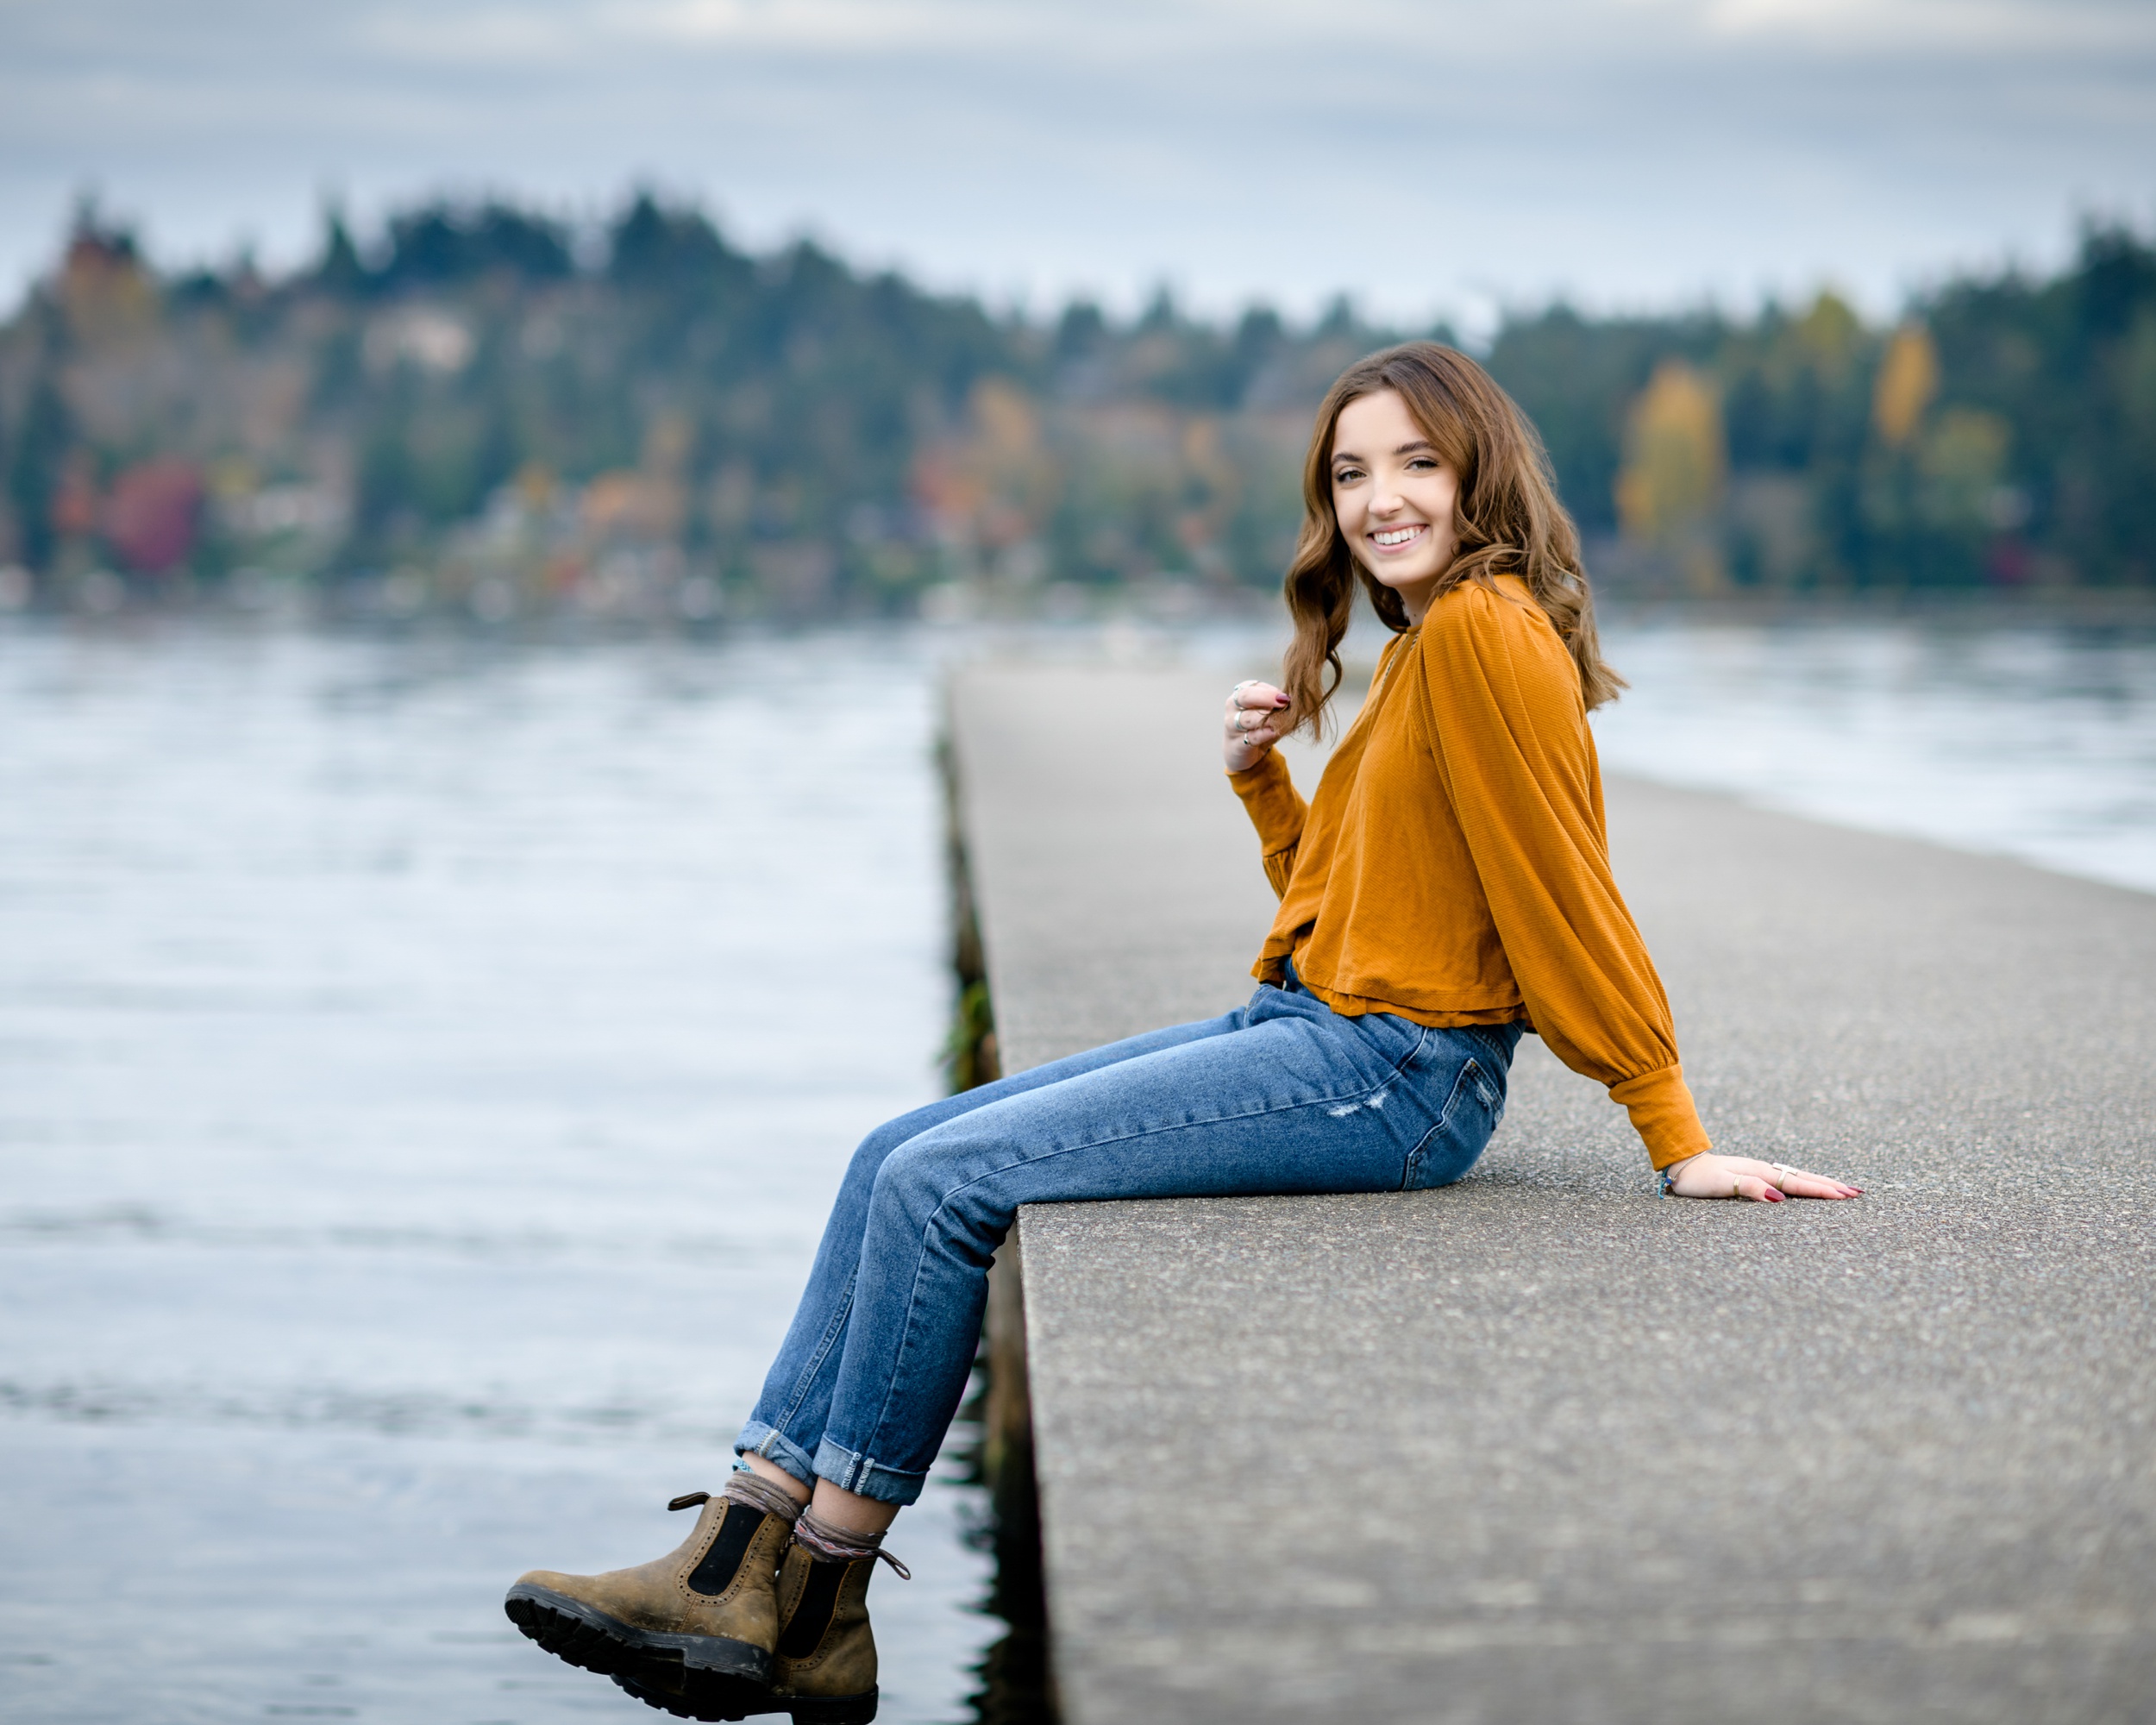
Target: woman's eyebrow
x,y
1404,449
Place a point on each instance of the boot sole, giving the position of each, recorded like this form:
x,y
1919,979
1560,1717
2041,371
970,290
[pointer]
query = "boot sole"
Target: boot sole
x,y
709,1670
807,1709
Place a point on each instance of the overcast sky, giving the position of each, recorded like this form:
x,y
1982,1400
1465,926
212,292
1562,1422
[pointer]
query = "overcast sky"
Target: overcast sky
x,y
1425,156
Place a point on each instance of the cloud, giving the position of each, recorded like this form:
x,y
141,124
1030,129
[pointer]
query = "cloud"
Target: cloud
x,y
1424,156
482,39
1930,26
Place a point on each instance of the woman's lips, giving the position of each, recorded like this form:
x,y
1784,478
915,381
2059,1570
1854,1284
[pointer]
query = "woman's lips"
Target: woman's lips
x,y
1399,538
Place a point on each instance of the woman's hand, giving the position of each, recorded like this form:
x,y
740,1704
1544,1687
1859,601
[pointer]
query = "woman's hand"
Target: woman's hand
x,y
1710,1175
1253,723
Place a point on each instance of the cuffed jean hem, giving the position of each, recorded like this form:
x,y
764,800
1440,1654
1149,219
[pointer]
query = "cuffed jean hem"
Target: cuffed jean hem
x,y
866,1478
773,1446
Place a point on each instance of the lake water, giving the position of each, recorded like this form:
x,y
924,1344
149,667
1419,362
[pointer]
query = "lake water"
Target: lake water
x,y
424,1070
2039,744
424,1065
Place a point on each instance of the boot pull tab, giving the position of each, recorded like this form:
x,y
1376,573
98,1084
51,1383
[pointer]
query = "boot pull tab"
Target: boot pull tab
x,y
904,1574
690,1500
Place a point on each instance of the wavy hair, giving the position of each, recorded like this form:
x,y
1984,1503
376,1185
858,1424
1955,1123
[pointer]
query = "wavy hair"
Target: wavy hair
x,y
1508,522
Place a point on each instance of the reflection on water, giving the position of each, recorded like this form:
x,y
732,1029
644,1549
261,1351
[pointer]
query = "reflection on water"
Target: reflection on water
x,y
423,1074
2036,743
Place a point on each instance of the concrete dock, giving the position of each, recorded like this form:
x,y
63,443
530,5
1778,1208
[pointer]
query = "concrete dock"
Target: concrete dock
x,y
1543,1446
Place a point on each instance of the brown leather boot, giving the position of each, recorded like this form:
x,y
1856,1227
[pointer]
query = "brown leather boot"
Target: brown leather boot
x,y
825,1671
700,1624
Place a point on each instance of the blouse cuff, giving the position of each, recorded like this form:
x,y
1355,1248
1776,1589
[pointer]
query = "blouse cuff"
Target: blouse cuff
x,y
1663,1114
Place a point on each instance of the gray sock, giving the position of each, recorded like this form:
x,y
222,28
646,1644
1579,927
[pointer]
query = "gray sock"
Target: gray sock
x,y
749,1488
827,1543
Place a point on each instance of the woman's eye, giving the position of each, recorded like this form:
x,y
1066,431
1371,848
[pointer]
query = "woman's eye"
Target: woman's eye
x,y
1347,475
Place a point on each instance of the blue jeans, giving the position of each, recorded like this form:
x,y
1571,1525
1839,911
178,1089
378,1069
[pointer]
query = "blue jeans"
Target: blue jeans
x,y
1281,1095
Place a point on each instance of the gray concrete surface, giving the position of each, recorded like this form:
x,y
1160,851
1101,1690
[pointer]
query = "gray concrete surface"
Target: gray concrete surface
x,y
1544,1447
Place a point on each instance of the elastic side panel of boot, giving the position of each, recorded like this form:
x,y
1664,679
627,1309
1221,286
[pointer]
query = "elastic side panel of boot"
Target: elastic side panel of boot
x,y
722,1562
805,1629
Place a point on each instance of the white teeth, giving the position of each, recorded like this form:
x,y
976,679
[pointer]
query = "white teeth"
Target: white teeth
x,y
1395,536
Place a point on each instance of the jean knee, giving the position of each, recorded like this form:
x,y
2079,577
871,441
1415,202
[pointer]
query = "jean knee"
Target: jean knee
x,y
925,1183
876,1149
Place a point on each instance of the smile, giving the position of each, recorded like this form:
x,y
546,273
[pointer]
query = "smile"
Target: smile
x,y
1390,538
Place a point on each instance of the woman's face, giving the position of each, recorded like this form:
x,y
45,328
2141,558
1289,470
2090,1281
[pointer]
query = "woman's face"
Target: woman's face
x,y
1394,496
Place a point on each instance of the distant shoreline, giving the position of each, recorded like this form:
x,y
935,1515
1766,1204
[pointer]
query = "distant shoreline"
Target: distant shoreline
x,y
1166,605
2042,609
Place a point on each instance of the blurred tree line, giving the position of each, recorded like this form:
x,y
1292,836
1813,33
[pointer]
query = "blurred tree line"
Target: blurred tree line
x,y
2003,433
481,406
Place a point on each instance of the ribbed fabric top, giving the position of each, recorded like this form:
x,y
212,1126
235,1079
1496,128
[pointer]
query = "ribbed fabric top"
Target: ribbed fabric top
x,y
1453,867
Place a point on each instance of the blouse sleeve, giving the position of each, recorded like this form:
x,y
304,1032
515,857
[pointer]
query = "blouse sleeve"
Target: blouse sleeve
x,y
1509,733
1276,810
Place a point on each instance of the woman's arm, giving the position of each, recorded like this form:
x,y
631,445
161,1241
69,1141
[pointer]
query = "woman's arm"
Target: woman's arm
x,y
1249,730
1509,735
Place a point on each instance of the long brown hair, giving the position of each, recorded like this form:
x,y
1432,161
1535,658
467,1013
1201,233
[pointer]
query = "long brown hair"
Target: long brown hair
x,y
1507,521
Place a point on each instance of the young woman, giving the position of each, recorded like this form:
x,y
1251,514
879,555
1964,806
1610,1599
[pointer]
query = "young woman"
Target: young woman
x,y
1447,889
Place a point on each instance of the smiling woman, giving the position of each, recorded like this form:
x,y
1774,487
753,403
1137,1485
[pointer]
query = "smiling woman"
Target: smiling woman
x,y
1396,505
1453,870
1447,890
1425,474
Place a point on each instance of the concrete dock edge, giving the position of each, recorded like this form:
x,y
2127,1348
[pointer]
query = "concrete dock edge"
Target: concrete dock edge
x,y
1542,1447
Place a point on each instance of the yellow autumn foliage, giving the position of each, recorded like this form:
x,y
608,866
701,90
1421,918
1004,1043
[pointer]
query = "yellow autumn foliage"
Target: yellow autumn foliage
x,y
1908,379
1675,455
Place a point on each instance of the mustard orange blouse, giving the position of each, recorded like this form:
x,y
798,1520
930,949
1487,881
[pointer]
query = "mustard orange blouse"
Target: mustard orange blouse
x,y
1454,867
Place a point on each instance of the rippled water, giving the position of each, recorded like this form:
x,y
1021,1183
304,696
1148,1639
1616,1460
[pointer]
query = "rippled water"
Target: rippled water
x,y
2039,744
424,1070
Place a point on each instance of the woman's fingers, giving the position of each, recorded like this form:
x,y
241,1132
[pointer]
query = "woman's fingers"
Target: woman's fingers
x,y
1253,722
1798,1185
1801,1182
1253,716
